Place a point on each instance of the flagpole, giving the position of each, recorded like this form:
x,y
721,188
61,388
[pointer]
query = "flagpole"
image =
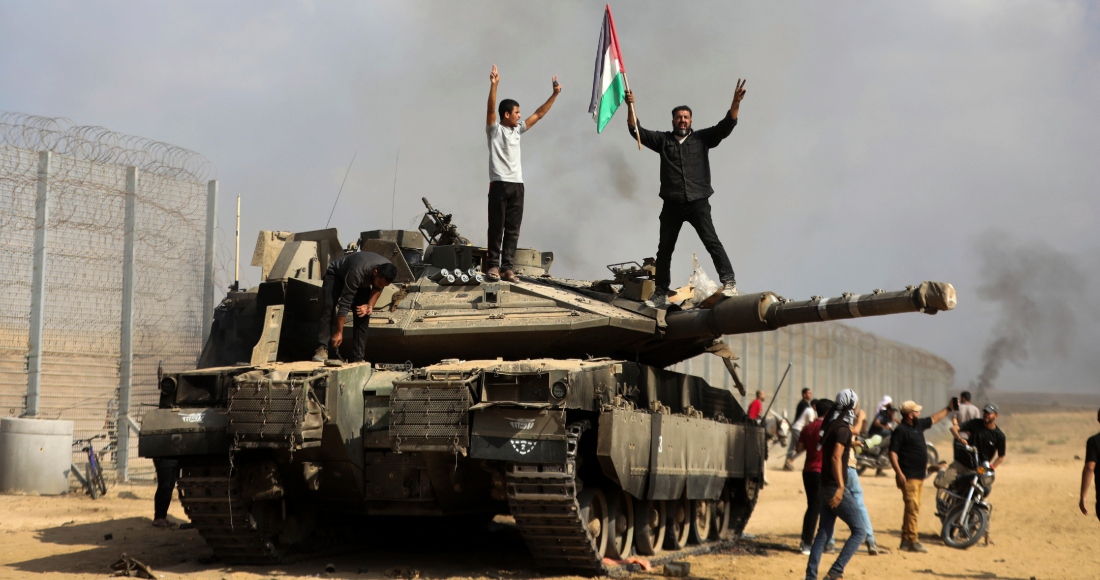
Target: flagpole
x,y
637,129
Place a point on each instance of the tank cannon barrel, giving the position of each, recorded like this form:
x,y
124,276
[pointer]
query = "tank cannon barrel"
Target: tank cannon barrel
x,y
767,311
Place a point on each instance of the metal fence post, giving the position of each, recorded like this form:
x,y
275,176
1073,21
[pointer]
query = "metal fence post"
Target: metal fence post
x,y
745,369
208,269
38,286
126,341
760,357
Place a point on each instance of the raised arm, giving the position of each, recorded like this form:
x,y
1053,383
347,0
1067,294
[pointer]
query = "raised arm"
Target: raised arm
x,y
651,139
940,415
491,113
712,136
545,108
738,94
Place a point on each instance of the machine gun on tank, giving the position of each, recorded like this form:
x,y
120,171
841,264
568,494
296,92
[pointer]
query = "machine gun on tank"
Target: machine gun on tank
x,y
438,229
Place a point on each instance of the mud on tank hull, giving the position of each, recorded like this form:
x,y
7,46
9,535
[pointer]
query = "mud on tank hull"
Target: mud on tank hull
x,y
592,458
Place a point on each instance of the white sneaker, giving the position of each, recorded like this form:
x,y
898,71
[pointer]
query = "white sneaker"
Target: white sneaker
x,y
805,550
658,300
729,289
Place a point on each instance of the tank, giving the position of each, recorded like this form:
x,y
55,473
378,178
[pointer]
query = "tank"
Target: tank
x,y
548,399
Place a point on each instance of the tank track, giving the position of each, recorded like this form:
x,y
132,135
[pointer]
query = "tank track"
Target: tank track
x,y
211,496
543,501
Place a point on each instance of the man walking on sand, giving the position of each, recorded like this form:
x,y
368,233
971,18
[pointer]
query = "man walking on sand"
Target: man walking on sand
x,y
910,460
506,177
685,188
1092,455
837,500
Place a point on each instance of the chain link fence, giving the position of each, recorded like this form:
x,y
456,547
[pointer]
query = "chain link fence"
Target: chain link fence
x,y
828,358
83,231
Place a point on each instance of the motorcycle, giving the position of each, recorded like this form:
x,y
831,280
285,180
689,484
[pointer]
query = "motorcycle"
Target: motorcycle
x,y
874,453
961,505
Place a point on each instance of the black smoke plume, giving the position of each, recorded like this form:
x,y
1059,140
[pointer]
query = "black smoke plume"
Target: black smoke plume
x,y
1036,289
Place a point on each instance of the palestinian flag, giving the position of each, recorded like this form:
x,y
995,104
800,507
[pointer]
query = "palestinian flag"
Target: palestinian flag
x,y
608,84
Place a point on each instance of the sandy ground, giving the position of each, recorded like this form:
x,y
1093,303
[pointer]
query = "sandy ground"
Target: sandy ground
x,y
1038,530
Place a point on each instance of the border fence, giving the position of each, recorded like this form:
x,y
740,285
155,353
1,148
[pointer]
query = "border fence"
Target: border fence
x,y
106,254
828,358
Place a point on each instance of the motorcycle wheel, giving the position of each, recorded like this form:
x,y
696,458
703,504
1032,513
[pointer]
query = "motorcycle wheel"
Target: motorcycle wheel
x,y
956,536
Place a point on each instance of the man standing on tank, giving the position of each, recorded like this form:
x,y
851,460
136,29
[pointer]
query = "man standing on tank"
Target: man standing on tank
x,y
352,282
506,177
686,189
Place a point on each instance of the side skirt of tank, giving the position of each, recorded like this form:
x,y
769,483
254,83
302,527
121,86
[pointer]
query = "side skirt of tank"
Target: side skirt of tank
x,y
657,456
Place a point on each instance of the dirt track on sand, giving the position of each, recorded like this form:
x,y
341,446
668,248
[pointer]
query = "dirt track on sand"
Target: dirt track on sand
x,y
1036,526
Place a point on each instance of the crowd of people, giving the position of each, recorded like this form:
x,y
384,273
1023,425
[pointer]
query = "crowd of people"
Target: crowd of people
x,y
828,431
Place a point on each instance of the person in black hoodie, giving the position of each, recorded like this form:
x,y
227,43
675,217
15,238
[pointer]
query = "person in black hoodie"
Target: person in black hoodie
x,y
352,282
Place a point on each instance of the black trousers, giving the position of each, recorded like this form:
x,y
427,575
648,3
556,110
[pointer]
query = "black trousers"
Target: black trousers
x,y
696,213
811,481
168,470
505,218
331,289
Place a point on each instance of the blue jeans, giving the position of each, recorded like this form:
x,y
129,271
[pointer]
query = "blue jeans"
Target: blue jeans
x,y
848,512
857,492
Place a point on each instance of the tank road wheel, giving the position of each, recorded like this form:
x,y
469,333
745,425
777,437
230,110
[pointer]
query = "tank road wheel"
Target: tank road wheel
x,y
649,527
594,512
701,514
720,524
621,518
679,523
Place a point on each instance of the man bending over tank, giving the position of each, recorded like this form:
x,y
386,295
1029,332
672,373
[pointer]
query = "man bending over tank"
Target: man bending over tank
x,y
506,177
352,282
685,188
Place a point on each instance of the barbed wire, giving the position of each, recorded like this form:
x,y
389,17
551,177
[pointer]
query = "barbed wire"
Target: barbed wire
x,y
101,145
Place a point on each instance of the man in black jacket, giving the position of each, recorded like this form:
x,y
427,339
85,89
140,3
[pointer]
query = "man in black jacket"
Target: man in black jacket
x,y
352,282
685,188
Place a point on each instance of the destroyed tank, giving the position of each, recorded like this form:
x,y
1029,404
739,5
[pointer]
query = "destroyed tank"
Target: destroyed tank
x,y
547,399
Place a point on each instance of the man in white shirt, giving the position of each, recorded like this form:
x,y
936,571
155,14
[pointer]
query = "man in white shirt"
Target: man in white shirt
x,y
807,416
966,411
506,178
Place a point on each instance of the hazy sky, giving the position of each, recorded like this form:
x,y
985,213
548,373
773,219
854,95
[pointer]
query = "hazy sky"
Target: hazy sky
x,y
878,146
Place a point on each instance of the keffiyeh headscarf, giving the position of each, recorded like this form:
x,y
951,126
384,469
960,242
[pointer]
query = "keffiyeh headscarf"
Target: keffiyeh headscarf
x,y
886,400
844,410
